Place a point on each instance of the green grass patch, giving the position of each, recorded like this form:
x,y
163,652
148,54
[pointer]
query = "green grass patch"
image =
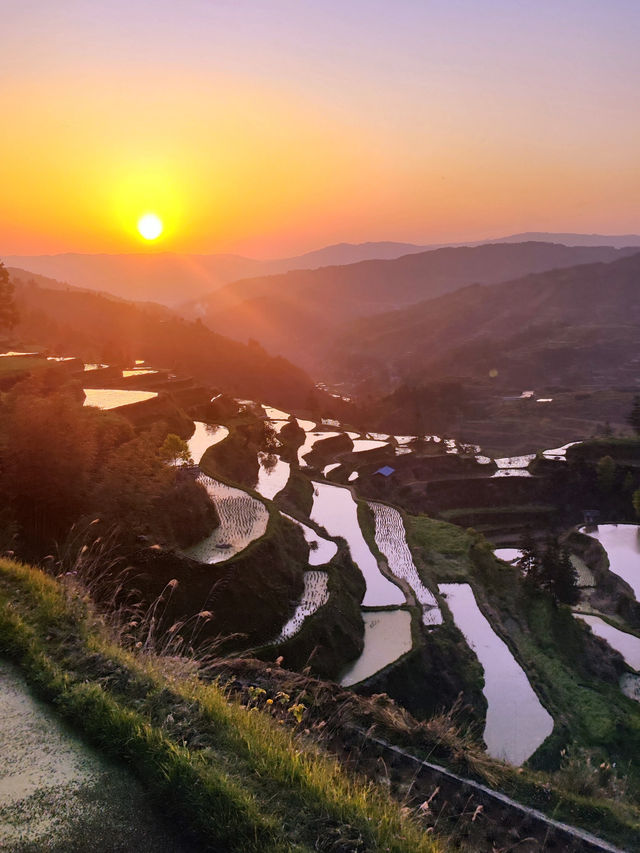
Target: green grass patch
x,y
238,780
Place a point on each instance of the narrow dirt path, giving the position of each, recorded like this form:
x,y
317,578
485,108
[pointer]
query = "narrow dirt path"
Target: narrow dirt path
x,y
57,794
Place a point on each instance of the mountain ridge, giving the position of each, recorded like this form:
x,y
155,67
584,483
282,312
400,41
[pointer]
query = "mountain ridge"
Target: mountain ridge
x,y
173,277
298,313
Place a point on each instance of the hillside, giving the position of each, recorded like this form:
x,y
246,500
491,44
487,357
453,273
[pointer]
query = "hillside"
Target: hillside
x,y
577,325
172,278
100,328
299,313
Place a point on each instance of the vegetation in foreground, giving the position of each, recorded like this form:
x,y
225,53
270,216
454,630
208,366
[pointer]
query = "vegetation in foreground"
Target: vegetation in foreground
x,y
237,779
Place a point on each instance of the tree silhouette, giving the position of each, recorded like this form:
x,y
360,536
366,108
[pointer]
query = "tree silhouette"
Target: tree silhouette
x,y
8,311
529,561
559,577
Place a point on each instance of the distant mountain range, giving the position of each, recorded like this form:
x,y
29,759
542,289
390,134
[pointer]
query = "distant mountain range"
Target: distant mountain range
x,y
304,314
618,241
570,327
175,278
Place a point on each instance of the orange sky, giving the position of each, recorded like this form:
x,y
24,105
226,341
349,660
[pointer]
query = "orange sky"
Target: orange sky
x,y
273,128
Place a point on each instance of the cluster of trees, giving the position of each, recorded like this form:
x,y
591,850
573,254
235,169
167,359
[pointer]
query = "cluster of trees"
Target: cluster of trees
x,y
549,569
62,462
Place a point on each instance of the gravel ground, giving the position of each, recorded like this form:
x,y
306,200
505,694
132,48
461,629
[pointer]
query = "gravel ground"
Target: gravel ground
x,y
57,794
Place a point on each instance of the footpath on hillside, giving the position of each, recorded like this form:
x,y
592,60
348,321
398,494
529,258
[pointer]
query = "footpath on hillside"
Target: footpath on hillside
x,y
58,794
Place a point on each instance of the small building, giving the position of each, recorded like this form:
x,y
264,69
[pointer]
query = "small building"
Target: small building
x,y
386,471
591,517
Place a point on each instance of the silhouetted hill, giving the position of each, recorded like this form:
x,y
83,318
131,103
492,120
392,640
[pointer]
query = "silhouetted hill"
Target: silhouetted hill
x,y
172,278
300,313
579,325
618,241
349,253
160,277
101,328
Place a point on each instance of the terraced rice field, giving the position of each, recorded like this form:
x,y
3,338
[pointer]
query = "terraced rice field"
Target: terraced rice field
x,y
310,439
516,723
622,544
362,444
627,644
204,437
243,519
314,596
113,398
387,636
391,539
335,509
273,475
321,550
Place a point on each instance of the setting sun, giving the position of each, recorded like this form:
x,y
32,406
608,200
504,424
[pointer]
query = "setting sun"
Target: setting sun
x,y
150,226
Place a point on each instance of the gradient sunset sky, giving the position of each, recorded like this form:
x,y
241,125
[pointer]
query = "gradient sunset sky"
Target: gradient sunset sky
x,y
270,128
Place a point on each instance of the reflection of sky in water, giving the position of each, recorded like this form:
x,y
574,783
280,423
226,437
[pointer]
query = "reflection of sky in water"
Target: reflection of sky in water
x,y
112,398
622,545
516,723
627,644
335,509
387,636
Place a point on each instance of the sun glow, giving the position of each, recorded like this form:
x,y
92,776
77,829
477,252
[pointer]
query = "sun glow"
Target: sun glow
x,y
150,226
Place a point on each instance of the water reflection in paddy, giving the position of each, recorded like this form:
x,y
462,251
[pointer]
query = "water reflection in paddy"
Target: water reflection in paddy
x,y
622,545
335,509
509,555
627,644
243,518
112,398
321,550
328,468
274,414
362,444
559,453
309,440
517,723
204,436
273,474
305,425
387,636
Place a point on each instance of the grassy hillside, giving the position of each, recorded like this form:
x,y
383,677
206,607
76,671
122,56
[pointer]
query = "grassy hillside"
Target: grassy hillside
x,y
231,775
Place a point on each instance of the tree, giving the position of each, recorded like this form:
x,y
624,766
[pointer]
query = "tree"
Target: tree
x,y
606,472
529,561
174,450
559,576
565,583
8,311
633,419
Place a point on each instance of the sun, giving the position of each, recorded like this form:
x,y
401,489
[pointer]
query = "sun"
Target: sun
x,y
150,226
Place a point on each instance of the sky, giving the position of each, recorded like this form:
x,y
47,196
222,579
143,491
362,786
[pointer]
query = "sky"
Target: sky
x,y
272,128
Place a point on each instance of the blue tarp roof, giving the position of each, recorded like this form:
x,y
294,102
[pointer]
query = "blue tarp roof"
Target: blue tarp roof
x,y
386,470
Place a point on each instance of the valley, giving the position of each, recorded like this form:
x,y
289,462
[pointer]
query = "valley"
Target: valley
x,y
376,542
